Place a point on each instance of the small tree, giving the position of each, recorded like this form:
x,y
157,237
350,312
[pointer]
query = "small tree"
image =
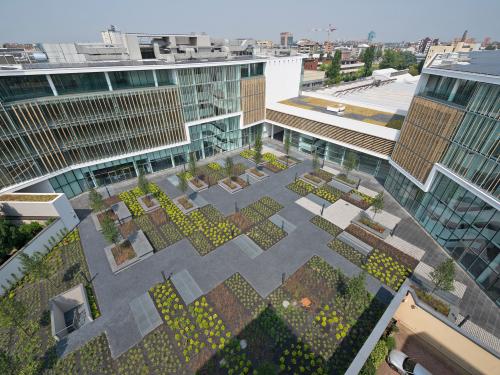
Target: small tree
x,y
143,183
109,230
13,313
287,146
444,274
192,164
258,148
35,266
183,185
229,167
350,163
96,201
355,290
315,160
378,203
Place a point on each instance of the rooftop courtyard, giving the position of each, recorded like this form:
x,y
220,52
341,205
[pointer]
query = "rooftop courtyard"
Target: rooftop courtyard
x,y
233,269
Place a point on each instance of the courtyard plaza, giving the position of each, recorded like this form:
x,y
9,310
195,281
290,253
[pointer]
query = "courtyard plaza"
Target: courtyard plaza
x,y
283,264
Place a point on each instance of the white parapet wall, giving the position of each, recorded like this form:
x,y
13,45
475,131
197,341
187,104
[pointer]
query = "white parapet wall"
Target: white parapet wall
x,y
283,76
49,206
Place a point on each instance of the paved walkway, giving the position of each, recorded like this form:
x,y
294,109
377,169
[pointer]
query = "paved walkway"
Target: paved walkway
x,y
263,272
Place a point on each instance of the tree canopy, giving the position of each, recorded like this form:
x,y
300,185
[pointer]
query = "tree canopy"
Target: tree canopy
x,y
397,59
367,58
109,230
443,276
96,201
333,70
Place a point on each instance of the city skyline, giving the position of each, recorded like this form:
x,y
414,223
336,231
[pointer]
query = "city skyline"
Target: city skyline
x,y
84,23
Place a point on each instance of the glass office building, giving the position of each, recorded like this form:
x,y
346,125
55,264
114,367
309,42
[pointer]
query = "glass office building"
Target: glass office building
x,y
91,128
446,169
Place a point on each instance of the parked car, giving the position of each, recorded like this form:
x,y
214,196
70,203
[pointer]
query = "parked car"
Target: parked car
x,y
404,365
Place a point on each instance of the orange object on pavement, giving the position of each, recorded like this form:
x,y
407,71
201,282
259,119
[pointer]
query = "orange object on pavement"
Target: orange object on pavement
x,y
306,302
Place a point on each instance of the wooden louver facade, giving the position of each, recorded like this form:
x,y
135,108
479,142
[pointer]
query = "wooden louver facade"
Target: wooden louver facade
x,y
335,133
425,136
253,99
46,135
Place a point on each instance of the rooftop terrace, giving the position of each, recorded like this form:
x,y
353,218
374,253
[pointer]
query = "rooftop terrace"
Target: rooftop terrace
x,y
371,116
479,62
394,97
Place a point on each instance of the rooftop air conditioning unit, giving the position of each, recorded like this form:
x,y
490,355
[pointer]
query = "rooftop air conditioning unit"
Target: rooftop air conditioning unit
x,y
338,110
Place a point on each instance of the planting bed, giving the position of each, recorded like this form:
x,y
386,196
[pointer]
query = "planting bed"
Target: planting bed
x,y
312,179
328,193
386,269
212,228
383,246
123,252
241,221
301,188
358,199
170,233
33,345
256,173
326,225
130,200
324,175
258,211
347,252
151,231
109,213
266,234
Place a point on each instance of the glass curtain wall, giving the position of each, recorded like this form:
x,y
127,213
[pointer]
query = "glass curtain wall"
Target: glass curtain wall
x,y
337,154
79,82
207,139
209,91
474,150
465,226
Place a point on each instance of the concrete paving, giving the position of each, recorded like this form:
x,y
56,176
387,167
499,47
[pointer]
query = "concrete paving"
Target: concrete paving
x,y
341,213
263,272
145,314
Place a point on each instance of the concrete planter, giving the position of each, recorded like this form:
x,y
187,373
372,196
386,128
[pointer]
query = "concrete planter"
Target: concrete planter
x,y
227,188
181,207
291,162
204,186
354,185
141,246
383,235
121,211
310,182
254,176
155,205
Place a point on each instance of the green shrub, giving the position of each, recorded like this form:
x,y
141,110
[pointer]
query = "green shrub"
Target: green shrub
x,y
390,342
379,353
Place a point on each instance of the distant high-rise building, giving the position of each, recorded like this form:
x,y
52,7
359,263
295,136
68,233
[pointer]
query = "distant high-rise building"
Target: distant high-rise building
x,y
286,39
426,43
328,47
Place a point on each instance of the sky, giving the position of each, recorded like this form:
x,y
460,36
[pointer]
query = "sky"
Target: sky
x,y
392,20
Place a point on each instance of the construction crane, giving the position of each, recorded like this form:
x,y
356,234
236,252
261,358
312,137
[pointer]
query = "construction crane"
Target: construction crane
x,y
330,29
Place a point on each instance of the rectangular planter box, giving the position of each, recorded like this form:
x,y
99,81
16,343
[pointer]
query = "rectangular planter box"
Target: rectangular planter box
x,y
155,205
315,184
142,249
259,178
181,207
383,235
354,186
196,188
291,161
227,188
